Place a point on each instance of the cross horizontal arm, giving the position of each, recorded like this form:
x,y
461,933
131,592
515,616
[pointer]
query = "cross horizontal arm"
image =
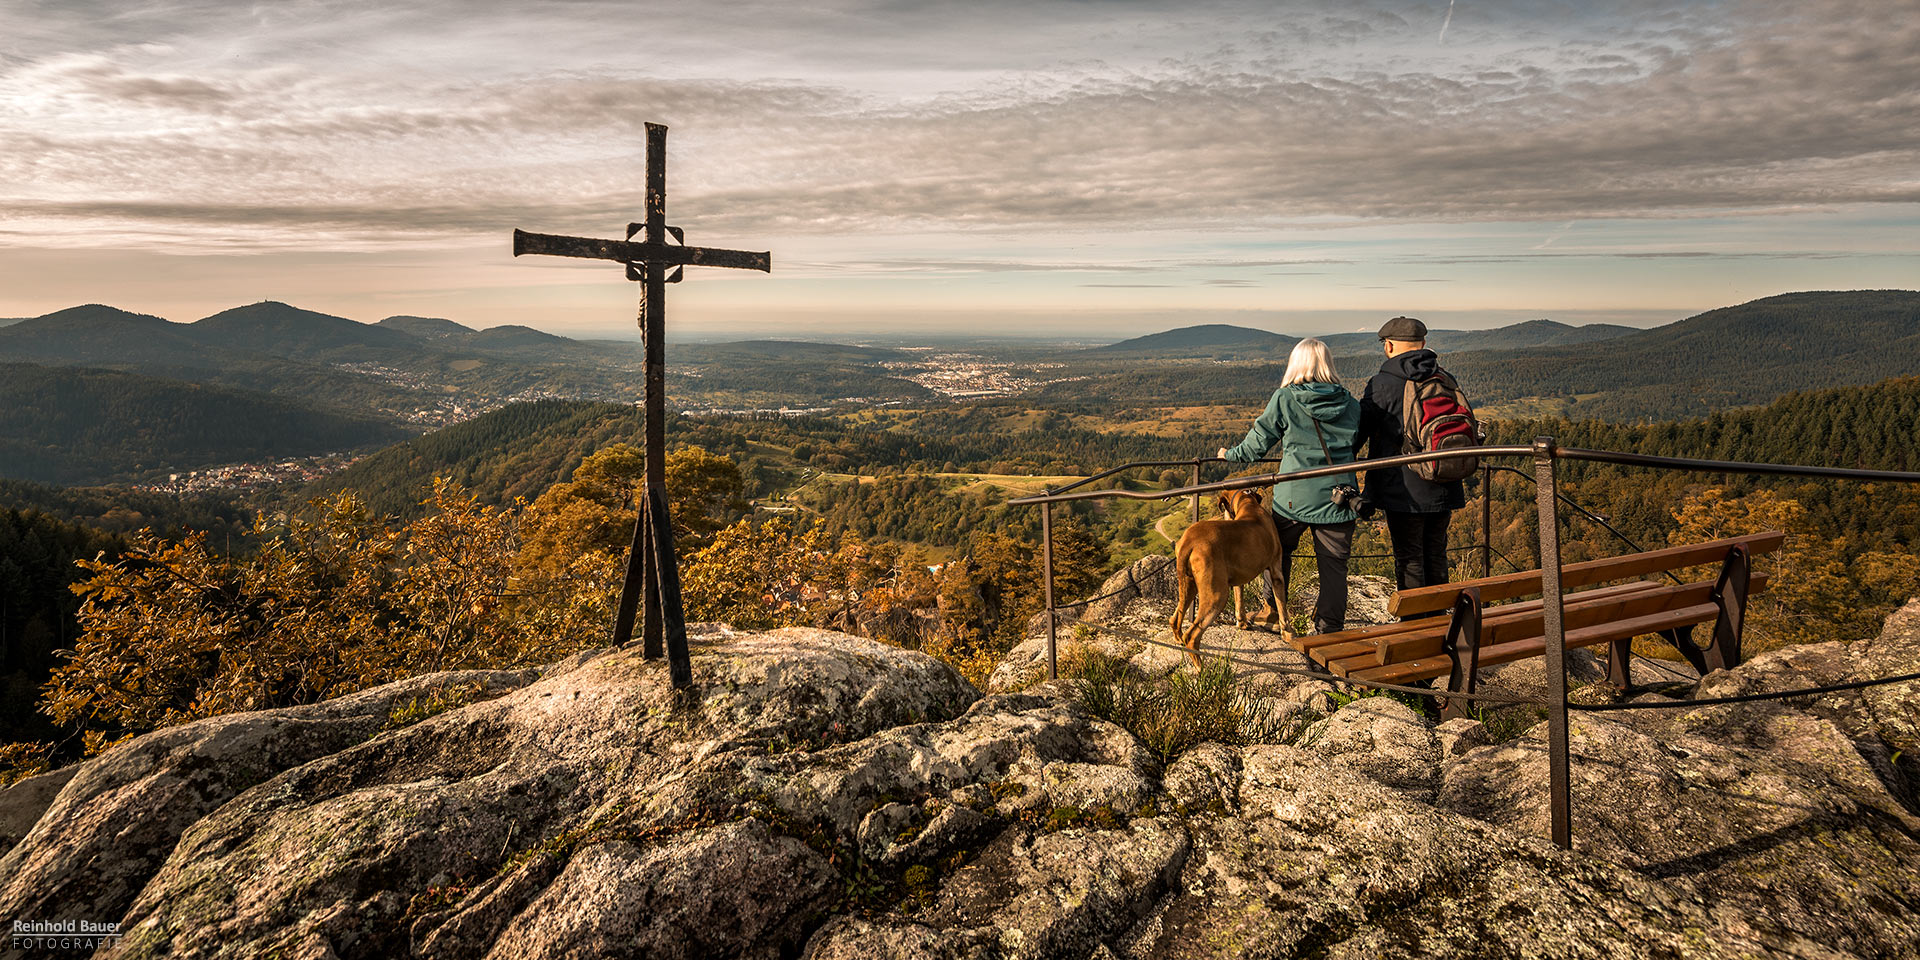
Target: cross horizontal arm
x,y
626,251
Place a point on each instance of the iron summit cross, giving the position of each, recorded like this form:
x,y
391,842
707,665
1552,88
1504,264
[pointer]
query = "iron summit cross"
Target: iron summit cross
x,y
652,567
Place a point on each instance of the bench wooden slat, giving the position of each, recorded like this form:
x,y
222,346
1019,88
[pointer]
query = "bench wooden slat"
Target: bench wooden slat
x,y
1428,668
1316,645
1307,643
1432,629
1508,586
1510,621
1581,610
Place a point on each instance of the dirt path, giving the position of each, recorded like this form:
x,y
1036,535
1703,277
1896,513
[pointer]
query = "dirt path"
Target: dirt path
x,y
1160,526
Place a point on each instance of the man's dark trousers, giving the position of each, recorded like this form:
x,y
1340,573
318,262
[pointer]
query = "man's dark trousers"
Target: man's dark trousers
x,y
1419,547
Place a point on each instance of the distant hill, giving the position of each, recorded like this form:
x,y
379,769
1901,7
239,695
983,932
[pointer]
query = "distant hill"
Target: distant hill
x,y
10,321
428,328
1517,336
75,425
99,334
1730,357
1206,341
1221,341
507,340
277,329
1532,333
515,335
397,368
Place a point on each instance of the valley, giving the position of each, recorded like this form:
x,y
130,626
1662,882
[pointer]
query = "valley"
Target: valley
x,y
860,485
415,374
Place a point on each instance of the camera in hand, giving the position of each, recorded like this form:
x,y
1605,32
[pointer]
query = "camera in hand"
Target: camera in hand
x,y
1348,496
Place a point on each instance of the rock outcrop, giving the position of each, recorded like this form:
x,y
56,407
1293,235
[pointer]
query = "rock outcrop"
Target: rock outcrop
x,y
1130,620
818,795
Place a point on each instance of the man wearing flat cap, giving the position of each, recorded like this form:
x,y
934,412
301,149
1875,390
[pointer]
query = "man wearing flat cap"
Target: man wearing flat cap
x,y
1417,510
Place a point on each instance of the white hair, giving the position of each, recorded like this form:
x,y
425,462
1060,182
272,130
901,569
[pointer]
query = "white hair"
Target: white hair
x,y
1309,363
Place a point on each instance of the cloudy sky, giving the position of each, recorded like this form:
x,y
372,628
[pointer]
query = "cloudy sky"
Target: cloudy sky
x,y
1088,167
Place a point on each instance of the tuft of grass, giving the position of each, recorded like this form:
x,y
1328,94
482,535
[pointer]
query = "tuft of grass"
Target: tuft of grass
x,y
1176,713
437,701
1418,704
1508,723
1100,817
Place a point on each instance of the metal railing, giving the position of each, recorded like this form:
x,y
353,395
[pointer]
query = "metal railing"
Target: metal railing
x,y
1546,455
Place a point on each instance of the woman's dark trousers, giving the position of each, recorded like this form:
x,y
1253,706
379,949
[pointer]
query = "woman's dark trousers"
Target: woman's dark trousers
x,y
1332,545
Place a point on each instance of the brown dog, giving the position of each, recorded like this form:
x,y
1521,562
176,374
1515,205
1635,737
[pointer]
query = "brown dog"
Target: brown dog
x,y
1216,557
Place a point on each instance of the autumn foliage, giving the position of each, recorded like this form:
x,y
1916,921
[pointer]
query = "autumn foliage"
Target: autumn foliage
x,y
340,599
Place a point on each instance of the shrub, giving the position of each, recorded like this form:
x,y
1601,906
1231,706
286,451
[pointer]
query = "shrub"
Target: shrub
x,y
1174,714
19,761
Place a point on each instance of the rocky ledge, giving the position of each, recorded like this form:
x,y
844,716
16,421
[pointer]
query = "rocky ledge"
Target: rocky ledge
x,y
822,796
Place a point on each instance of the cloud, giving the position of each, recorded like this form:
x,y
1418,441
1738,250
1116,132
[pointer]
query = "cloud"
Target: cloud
x,y
375,123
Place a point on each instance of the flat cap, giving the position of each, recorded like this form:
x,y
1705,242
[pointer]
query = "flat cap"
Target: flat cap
x,y
1403,328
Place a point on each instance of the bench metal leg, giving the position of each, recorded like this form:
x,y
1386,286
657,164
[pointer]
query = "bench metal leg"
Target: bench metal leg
x,y
1620,665
1462,646
1722,650
1731,595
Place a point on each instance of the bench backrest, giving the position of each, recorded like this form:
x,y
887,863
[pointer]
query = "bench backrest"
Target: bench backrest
x,y
1509,586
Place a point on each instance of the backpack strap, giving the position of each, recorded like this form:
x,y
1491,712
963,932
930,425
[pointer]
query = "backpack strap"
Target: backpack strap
x,y
1409,416
1323,441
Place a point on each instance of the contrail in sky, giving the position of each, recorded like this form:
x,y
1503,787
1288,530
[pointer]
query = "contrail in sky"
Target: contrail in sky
x,y
1446,22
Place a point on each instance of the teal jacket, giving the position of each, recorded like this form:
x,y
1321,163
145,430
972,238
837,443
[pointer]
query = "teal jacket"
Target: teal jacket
x,y
1289,419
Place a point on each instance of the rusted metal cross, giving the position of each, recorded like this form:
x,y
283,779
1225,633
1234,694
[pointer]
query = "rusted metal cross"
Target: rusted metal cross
x,y
652,567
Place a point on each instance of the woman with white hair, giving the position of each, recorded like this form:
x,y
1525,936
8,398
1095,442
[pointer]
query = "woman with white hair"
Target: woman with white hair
x,y
1317,423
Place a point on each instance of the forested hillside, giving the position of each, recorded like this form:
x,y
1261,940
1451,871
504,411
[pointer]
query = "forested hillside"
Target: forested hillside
x,y
1734,356
72,425
37,554
516,451
1868,427
121,510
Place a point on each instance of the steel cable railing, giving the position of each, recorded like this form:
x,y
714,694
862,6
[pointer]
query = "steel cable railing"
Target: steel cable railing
x,y
1545,454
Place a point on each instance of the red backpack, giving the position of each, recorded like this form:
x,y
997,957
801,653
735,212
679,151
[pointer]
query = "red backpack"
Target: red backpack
x,y
1436,416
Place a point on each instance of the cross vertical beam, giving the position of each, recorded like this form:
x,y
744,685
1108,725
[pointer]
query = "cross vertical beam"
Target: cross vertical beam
x,y
653,314
652,583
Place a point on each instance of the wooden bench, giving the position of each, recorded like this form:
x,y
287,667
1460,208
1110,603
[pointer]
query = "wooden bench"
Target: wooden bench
x,y
1603,601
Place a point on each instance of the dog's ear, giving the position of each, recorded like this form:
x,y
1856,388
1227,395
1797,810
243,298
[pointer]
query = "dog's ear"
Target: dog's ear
x,y
1226,507
1256,495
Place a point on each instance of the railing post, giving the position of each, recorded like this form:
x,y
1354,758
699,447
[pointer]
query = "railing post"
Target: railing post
x,y
1486,520
1046,566
1547,504
1195,512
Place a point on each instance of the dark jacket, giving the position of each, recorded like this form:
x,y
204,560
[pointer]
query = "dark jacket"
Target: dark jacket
x,y
1399,489
1290,418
